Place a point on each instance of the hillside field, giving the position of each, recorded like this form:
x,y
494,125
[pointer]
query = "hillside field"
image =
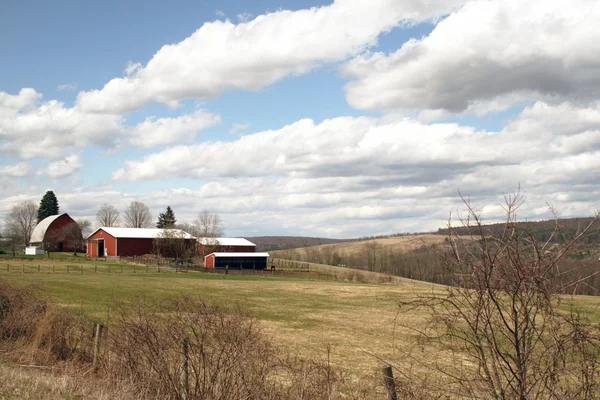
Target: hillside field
x,y
399,243
302,315
359,321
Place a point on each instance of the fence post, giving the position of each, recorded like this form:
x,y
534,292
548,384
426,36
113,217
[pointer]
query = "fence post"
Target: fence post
x,y
95,268
388,380
67,268
82,268
23,268
7,267
185,393
38,268
97,345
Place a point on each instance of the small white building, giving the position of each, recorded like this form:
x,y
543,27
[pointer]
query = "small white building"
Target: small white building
x,y
34,251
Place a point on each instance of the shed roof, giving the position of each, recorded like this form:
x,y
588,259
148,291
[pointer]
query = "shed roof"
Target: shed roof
x,y
245,255
225,241
141,233
37,236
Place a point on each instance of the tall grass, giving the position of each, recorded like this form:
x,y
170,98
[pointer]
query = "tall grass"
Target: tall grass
x,y
228,356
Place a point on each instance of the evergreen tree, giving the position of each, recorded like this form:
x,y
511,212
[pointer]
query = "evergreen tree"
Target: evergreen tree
x,y
166,219
48,206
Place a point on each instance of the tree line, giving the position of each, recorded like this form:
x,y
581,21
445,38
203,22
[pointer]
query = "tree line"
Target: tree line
x,y
427,263
138,215
20,222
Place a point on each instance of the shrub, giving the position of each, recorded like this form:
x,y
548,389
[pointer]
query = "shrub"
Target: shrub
x,y
228,356
38,330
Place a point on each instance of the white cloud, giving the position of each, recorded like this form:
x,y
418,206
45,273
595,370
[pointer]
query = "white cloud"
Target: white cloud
x,y
221,55
487,56
132,68
153,132
339,147
244,17
49,129
25,100
30,128
16,170
66,87
239,127
345,176
350,175
62,168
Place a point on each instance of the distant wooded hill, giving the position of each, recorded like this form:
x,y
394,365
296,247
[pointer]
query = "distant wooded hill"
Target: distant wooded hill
x,y
269,243
542,230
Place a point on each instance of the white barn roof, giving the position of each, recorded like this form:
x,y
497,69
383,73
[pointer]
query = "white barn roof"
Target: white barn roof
x,y
248,255
141,233
37,236
225,241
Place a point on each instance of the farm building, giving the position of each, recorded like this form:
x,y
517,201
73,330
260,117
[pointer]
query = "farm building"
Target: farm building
x,y
57,233
236,260
208,245
128,242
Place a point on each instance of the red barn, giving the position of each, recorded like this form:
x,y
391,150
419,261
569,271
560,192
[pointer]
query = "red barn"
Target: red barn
x,y
57,233
224,245
128,242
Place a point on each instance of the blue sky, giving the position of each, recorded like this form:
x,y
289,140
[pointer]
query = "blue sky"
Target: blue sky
x,y
322,118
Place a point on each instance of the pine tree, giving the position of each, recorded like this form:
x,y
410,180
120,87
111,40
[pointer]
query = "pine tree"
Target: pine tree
x,y
166,219
48,206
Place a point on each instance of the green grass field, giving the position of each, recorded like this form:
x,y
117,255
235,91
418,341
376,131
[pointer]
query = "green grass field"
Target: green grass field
x,y
301,315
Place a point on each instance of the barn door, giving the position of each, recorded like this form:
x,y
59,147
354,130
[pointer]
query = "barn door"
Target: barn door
x,y
101,248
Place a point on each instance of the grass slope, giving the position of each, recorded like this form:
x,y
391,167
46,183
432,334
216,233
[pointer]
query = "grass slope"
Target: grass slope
x,y
401,243
303,316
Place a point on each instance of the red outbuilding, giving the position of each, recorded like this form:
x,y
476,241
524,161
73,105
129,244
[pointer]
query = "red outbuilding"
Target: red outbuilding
x,y
57,233
230,260
128,242
208,245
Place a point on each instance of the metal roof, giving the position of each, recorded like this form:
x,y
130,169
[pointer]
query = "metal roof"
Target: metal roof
x,y
142,233
249,255
225,241
37,236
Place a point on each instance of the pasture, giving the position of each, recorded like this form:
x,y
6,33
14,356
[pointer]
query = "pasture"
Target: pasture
x,y
303,316
398,243
356,321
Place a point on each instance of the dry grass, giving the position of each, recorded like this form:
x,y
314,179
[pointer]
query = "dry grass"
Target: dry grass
x,y
400,243
301,316
357,320
229,357
34,383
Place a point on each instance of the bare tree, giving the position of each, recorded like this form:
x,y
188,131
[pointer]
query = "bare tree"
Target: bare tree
x,y
72,237
371,251
138,215
189,228
208,225
20,222
174,243
85,226
500,323
107,215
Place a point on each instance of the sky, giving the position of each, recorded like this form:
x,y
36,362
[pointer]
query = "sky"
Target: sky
x,y
308,118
